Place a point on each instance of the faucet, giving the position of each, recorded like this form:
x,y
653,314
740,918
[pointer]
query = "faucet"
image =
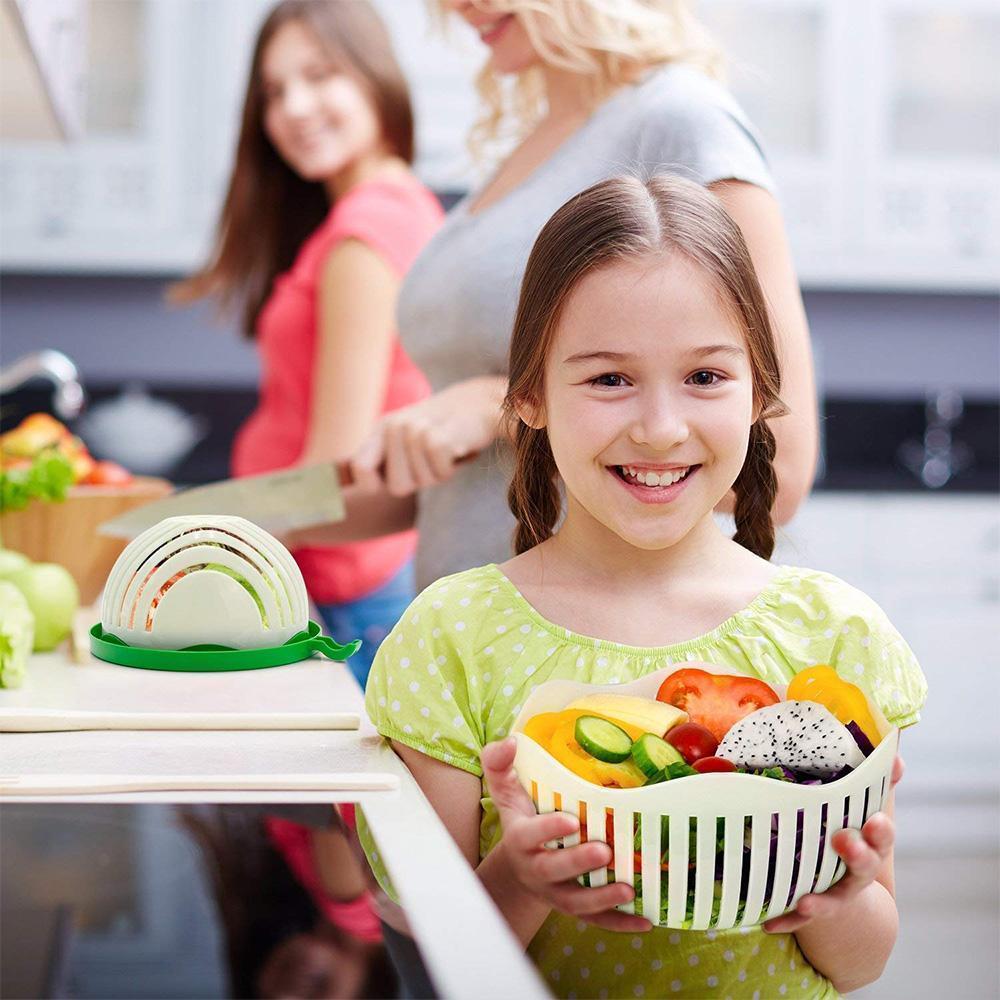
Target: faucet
x,y
69,397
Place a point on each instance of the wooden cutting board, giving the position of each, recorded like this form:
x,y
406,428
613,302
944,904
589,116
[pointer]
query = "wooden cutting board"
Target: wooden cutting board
x,y
60,695
66,533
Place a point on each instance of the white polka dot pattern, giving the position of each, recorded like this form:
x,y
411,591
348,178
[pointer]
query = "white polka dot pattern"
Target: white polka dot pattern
x,y
477,648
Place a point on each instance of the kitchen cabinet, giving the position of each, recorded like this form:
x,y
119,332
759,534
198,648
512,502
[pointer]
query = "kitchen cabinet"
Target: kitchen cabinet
x,y
933,564
880,118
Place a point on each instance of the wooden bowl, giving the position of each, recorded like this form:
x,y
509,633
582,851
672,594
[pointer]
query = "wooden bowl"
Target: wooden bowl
x,y
66,533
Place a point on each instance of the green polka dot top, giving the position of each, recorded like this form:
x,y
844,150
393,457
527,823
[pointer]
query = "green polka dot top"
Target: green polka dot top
x,y
453,675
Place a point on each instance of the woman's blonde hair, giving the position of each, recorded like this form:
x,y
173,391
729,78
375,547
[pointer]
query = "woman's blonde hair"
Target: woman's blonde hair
x,y
610,42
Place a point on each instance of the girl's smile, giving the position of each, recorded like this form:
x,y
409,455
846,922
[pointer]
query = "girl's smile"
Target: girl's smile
x,y
649,485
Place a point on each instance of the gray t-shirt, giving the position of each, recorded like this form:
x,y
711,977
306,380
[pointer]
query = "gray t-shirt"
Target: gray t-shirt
x,y
457,305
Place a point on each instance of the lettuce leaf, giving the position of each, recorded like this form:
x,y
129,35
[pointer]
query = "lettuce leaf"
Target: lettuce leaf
x,y
48,478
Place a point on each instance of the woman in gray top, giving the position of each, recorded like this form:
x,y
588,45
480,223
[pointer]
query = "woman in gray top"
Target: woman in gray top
x,y
596,95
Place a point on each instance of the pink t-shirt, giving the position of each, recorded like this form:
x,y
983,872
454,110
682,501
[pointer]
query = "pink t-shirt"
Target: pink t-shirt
x,y
396,219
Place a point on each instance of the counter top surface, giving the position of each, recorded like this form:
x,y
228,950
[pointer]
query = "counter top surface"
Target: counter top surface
x,y
469,949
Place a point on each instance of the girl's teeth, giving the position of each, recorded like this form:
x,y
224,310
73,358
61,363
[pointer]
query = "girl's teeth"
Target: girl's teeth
x,y
666,478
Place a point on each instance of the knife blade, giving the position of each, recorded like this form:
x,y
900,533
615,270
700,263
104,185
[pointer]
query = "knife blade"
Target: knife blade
x,y
276,501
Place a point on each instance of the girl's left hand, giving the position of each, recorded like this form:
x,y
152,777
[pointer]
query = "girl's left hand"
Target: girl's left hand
x,y
864,854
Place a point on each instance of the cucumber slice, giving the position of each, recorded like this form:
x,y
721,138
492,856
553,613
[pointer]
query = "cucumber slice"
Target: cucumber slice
x,y
602,739
654,755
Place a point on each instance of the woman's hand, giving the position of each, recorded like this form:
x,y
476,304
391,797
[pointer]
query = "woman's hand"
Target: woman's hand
x,y
421,445
864,853
550,875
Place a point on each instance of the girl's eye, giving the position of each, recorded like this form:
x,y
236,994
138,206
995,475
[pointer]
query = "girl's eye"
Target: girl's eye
x,y
611,381
316,74
705,379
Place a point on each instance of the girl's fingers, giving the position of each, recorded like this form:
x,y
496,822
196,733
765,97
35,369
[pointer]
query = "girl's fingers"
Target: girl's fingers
x,y
787,924
863,854
508,796
568,863
898,769
531,834
581,901
880,833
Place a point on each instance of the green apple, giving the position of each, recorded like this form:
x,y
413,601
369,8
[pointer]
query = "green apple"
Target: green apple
x,y
11,562
53,597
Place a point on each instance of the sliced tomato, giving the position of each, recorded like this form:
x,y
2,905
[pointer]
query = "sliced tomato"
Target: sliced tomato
x,y
715,701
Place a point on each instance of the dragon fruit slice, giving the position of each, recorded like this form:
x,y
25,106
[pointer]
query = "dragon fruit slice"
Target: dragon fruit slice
x,y
802,735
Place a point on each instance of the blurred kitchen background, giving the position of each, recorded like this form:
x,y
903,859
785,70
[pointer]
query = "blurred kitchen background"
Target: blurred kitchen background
x,y
882,122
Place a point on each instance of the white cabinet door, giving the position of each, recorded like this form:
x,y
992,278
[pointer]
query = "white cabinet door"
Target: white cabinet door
x,y
933,564
930,183
879,118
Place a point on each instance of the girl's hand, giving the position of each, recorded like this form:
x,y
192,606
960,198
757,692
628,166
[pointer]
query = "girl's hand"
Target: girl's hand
x,y
420,445
864,854
550,875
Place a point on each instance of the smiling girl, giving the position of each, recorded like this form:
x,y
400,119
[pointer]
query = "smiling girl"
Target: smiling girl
x,y
643,374
322,220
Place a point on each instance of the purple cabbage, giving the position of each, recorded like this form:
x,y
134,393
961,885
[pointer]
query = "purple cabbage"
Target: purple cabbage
x,y
864,744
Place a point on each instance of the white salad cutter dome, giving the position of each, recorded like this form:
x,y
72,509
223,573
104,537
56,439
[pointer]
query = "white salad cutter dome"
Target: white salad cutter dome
x,y
206,585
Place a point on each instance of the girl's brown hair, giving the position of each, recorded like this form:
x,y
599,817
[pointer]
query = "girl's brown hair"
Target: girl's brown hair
x,y
269,210
619,219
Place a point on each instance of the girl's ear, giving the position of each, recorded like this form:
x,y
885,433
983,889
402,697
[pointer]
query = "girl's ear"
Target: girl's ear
x,y
530,413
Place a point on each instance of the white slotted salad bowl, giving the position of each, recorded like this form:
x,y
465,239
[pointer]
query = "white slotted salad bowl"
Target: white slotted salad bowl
x,y
765,815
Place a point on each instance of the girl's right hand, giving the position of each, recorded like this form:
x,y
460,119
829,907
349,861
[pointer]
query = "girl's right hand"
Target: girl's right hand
x,y
550,875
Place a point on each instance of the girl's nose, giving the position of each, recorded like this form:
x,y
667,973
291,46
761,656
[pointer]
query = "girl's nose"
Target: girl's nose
x,y
297,99
661,424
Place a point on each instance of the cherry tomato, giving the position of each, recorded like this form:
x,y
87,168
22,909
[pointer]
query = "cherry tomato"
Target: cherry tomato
x,y
693,741
108,474
709,765
715,701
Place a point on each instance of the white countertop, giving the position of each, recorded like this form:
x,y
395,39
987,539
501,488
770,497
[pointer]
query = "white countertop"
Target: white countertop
x,y
468,947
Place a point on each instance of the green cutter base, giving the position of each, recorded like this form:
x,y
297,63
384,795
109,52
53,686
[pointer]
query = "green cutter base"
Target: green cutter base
x,y
211,659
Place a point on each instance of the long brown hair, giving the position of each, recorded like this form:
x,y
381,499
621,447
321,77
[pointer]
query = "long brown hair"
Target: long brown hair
x,y
269,210
618,219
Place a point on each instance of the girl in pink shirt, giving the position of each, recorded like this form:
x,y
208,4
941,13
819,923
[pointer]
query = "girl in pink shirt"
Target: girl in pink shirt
x,y
322,220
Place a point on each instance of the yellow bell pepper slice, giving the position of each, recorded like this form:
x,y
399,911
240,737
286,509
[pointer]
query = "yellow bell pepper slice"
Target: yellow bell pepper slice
x,y
556,732
845,700
564,747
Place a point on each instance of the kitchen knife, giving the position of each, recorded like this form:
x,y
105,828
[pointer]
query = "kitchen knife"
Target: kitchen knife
x,y
277,501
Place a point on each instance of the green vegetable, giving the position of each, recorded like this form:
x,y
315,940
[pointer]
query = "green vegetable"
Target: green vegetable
x,y
242,581
653,754
777,772
679,769
11,562
603,739
49,477
17,634
52,595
